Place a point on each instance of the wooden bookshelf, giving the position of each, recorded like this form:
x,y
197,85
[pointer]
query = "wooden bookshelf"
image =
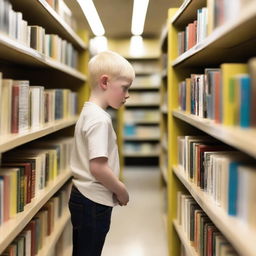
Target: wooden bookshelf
x,y
17,59
232,42
11,50
226,40
233,136
11,141
10,229
228,225
44,15
188,248
51,240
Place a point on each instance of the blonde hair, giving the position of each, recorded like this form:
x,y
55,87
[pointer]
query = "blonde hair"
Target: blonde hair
x,y
109,63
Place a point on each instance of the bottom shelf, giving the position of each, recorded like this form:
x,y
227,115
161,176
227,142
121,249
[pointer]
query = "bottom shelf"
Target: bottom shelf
x,y
188,248
54,237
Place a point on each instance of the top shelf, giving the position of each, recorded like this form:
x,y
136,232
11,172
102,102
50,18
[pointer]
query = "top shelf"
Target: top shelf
x,y
224,44
44,15
187,12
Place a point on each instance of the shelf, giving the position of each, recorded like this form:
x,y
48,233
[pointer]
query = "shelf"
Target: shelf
x,y
187,12
13,140
44,15
233,136
142,104
21,54
10,229
140,154
138,88
189,249
223,45
51,240
164,173
231,227
141,138
163,39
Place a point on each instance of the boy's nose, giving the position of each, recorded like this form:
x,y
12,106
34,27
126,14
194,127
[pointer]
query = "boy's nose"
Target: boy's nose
x,y
127,96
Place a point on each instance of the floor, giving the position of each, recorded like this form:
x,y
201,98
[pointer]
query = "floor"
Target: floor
x,y
138,229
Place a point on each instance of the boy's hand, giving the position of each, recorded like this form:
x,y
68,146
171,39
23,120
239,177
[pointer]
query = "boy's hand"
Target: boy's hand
x,y
123,196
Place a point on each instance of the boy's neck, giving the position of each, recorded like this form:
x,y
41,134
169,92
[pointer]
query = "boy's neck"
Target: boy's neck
x,y
98,101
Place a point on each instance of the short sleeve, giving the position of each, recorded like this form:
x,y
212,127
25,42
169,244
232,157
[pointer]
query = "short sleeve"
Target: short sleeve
x,y
97,137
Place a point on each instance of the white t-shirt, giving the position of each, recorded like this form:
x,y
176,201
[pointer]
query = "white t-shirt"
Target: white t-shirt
x,y
94,137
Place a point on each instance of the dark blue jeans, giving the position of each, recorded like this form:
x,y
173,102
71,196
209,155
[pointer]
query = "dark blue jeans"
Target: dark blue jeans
x,y
91,222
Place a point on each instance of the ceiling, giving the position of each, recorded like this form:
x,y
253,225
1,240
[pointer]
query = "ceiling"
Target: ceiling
x,y
116,16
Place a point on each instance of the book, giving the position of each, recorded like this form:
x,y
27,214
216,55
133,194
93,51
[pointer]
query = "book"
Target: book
x,y
229,70
252,70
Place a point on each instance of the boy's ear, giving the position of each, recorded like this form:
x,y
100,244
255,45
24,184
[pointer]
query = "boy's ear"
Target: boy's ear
x,y
104,82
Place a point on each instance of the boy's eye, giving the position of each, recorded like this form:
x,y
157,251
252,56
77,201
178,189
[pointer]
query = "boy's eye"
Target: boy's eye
x,y
125,89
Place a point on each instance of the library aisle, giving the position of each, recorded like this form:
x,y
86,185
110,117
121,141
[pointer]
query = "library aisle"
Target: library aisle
x,y
138,229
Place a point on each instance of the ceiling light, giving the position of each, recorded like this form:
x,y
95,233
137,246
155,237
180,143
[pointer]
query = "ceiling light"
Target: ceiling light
x,y
92,17
98,44
137,48
138,16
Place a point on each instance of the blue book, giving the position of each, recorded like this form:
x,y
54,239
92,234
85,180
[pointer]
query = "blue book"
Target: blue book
x,y
245,101
232,188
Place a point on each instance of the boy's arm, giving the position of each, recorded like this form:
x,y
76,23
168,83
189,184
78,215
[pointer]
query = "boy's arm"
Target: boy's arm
x,y
100,169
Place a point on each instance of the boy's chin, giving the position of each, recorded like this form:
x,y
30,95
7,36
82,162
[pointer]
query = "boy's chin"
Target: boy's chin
x,y
115,106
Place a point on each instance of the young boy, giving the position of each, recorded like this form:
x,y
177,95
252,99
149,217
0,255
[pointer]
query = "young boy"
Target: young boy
x,y
94,159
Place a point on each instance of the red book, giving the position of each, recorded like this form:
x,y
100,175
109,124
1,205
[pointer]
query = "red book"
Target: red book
x,y
15,109
32,227
28,177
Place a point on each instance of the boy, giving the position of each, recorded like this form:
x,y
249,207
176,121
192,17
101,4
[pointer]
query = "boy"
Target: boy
x,y
94,159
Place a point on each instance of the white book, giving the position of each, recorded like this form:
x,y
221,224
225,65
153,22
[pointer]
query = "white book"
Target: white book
x,y
24,104
6,105
37,106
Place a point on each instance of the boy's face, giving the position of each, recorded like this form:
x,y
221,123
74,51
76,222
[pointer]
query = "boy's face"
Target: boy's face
x,y
117,91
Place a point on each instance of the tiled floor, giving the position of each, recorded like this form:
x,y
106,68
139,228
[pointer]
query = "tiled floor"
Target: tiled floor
x,y
138,229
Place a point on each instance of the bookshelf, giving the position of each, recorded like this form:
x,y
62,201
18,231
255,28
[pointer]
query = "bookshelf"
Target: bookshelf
x,y
141,116
13,227
20,62
231,42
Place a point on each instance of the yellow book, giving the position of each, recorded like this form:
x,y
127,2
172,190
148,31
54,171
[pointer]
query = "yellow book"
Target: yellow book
x,y
210,17
188,95
228,71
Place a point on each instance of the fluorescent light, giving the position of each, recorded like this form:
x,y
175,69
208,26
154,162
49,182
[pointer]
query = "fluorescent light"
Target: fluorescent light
x,y
138,16
98,44
92,17
137,48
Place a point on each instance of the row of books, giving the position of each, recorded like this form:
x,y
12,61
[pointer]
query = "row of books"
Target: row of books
x,y
62,9
24,107
141,130
226,94
216,14
144,98
227,176
199,230
25,171
141,148
34,236
13,25
141,116
194,33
